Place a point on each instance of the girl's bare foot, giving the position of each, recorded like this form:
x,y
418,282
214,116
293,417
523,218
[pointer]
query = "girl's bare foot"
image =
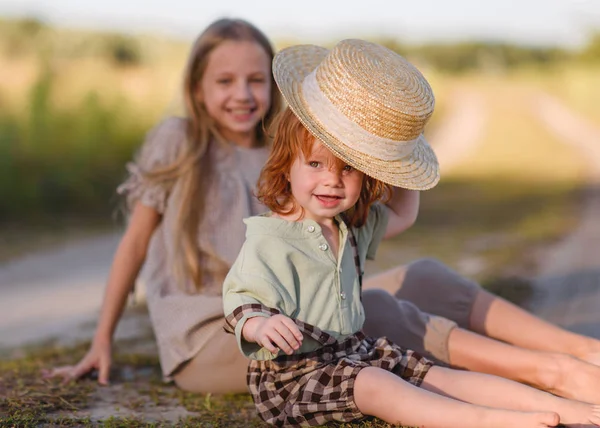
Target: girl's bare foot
x,y
572,378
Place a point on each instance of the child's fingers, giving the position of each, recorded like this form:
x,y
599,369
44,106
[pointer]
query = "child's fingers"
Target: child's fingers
x,y
287,335
280,341
293,328
268,344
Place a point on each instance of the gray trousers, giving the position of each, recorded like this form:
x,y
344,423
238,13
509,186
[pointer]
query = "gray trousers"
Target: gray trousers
x,y
415,306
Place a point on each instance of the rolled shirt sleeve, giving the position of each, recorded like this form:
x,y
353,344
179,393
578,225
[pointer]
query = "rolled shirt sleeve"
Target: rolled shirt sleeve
x,y
247,295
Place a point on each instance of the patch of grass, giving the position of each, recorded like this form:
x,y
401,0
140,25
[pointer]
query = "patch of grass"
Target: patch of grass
x,y
142,398
25,396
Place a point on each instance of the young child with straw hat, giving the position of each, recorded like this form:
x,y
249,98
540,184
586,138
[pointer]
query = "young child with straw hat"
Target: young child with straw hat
x,y
351,137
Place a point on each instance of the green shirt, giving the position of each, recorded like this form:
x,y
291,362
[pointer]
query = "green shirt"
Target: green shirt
x,y
289,266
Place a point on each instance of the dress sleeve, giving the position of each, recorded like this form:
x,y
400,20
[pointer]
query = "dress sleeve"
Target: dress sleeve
x,y
246,294
162,146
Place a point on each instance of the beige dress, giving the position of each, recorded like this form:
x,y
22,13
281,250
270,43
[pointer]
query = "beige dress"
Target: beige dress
x,y
184,322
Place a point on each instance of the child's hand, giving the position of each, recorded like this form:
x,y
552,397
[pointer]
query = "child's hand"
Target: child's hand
x,y
98,357
273,333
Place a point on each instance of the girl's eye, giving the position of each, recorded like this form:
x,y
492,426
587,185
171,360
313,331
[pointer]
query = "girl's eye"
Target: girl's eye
x,y
313,164
257,80
348,168
224,81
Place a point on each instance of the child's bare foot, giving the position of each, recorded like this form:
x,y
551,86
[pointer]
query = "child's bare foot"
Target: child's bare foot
x,y
590,352
592,358
532,420
572,378
581,415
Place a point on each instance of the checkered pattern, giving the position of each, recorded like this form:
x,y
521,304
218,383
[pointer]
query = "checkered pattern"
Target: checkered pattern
x,y
318,387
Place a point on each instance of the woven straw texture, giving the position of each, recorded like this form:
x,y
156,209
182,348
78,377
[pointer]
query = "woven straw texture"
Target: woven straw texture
x,y
367,104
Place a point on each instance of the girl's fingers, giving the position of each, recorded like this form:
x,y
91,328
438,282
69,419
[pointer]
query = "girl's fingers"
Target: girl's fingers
x,y
104,372
57,372
81,369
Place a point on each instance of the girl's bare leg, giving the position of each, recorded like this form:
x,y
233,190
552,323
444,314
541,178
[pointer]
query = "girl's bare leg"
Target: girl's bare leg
x,y
384,395
439,290
405,324
486,390
500,319
559,374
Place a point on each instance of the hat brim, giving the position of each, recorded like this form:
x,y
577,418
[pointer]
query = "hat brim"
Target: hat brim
x,y
417,171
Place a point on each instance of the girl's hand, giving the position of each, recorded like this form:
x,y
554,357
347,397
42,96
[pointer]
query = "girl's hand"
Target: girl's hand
x,y
273,333
98,358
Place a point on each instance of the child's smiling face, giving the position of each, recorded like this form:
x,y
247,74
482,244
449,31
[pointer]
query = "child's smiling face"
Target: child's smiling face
x,y
323,185
236,89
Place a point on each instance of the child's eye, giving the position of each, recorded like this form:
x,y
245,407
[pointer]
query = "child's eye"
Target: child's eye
x,y
224,81
348,168
258,80
313,164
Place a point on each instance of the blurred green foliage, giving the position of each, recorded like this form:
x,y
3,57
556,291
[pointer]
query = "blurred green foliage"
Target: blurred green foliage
x,y
57,162
493,56
29,36
59,159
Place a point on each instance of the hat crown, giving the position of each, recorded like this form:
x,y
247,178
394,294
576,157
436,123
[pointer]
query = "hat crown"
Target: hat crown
x,y
377,89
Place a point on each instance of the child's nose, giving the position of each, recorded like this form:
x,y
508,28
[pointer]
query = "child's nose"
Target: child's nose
x,y
334,177
242,91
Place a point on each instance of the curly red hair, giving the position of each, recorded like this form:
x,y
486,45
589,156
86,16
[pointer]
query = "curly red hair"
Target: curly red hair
x,y
290,138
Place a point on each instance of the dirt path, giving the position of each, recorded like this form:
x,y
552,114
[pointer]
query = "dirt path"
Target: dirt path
x,y
568,287
52,293
460,131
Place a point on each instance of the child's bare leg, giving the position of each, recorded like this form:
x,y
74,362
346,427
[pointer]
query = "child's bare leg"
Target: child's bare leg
x,y
384,395
487,390
559,374
500,319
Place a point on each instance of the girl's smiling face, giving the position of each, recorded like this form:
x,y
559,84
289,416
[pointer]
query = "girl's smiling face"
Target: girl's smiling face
x,y
236,88
323,185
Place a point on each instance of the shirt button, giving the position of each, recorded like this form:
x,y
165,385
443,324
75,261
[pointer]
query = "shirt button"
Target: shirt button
x,y
310,229
323,247
343,295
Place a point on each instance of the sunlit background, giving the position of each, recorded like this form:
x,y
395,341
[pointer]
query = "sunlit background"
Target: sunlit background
x,y
516,130
517,87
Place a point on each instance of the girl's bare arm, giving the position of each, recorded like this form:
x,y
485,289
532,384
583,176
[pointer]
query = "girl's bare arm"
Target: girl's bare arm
x,y
404,208
128,260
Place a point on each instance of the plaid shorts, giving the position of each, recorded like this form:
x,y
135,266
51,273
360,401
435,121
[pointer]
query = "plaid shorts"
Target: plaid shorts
x,y
317,387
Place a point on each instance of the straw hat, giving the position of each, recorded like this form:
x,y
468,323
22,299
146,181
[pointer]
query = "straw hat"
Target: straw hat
x,y
367,104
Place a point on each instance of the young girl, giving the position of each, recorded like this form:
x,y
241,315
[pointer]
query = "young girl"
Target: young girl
x,y
293,296
189,190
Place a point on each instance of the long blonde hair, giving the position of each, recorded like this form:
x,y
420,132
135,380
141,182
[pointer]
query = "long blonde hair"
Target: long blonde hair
x,y
192,170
